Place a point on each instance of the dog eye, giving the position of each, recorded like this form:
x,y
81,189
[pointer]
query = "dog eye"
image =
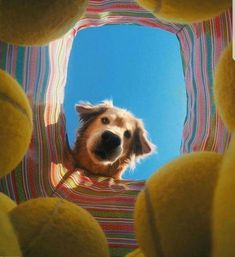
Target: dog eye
x,y
127,134
105,120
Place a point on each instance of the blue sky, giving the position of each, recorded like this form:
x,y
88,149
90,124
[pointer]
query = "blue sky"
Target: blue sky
x,y
140,69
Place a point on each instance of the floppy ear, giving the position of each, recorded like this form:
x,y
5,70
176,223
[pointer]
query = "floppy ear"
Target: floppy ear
x,y
88,111
141,145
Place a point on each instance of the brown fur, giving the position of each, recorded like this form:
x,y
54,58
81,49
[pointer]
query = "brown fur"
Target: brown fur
x,y
132,148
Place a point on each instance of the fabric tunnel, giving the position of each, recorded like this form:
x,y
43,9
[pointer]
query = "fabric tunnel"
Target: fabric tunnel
x,y
42,72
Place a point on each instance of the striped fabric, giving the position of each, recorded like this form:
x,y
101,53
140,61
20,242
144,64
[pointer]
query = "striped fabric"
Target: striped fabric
x,y
110,202
201,46
42,72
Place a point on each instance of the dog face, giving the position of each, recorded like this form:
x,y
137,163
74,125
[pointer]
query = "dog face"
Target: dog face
x,y
109,139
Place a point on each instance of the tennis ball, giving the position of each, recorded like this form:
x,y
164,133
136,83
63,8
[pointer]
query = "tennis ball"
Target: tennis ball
x,y
9,245
224,88
173,213
15,123
30,22
185,11
6,204
135,253
53,227
224,207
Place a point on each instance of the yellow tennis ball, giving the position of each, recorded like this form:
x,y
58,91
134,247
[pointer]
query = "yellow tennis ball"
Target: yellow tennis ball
x,y
9,245
224,207
30,22
224,88
135,253
53,227
6,204
15,123
185,11
173,213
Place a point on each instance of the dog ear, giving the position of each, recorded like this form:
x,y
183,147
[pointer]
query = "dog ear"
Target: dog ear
x,y
141,145
88,111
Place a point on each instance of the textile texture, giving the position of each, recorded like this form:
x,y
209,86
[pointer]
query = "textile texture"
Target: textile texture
x,y
42,73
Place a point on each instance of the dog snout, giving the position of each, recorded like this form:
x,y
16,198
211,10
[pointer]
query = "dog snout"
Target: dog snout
x,y
110,140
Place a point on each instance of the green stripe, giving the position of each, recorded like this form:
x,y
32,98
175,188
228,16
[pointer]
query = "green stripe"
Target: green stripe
x,y
110,214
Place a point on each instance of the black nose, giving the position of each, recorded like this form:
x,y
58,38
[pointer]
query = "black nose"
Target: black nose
x,y
110,141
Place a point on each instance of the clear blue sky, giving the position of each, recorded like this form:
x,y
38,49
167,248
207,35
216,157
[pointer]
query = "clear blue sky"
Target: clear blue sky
x,y
140,68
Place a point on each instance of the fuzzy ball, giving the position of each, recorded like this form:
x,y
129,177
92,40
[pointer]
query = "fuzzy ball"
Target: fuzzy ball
x,y
135,253
224,88
6,204
185,11
30,22
224,207
15,123
9,245
53,227
173,213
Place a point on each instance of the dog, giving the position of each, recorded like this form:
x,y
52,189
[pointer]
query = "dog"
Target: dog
x,y
109,140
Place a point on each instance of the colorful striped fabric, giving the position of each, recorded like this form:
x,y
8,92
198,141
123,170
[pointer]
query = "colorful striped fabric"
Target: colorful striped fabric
x,y
201,46
42,72
110,202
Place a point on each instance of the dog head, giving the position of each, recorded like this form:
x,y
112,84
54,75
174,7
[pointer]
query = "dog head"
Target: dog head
x,y
109,139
